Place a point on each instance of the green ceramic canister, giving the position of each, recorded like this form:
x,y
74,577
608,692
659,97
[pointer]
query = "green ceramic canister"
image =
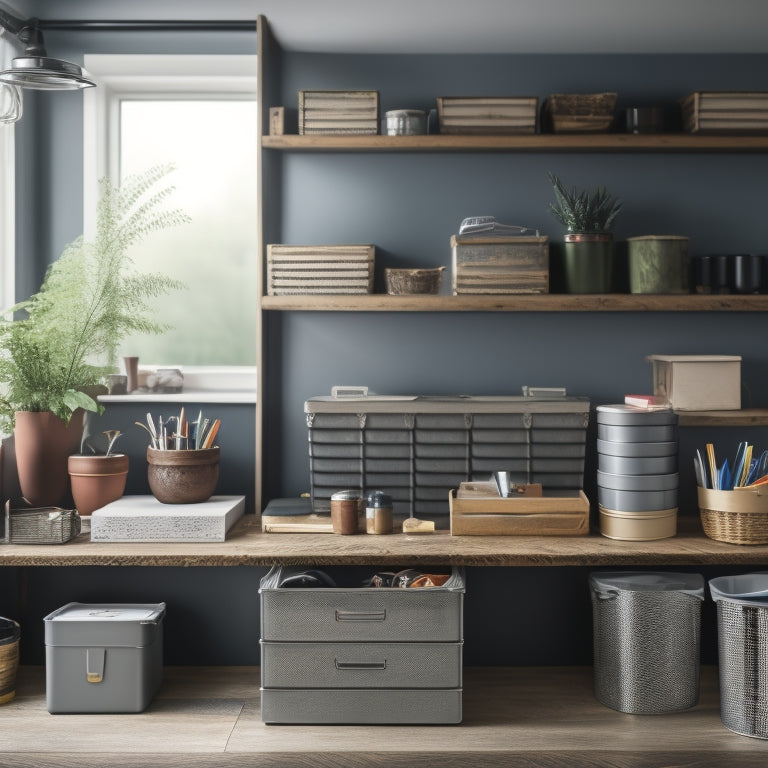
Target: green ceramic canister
x,y
658,264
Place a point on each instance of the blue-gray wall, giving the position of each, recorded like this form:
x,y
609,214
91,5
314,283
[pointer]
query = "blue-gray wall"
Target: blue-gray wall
x,y
409,205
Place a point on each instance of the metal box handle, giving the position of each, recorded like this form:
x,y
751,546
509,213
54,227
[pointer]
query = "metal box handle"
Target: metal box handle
x,y
360,664
361,615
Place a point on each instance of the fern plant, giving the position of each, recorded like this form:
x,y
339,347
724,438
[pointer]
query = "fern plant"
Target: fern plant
x,y
68,336
583,211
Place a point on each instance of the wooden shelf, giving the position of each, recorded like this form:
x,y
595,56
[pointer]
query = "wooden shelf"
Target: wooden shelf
x,y
603,142
513,718
550,302
247,545
747,417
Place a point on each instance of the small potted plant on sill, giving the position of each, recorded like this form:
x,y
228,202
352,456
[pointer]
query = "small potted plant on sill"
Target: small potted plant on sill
x,y
54,357
588,248
97,479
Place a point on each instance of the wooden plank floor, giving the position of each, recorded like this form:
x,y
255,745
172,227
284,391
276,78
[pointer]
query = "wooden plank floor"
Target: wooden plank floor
x,y
513,717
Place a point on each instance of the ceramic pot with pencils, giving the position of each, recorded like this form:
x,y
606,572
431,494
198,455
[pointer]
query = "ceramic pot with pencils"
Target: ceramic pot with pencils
x,y
183,464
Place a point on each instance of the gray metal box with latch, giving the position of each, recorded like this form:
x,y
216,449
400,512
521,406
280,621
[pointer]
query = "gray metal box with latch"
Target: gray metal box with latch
x,y
103,657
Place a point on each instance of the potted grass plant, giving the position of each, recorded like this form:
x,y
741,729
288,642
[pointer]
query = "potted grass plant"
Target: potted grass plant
x,y
588,243
57,346
97,478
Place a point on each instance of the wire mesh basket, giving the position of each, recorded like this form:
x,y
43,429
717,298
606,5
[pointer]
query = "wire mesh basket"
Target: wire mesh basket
x,y
41,525
742,640
647,630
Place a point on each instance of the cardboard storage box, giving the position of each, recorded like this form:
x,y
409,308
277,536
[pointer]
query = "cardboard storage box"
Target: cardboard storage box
x,y
356,654
698,382
417,448
497,264
103,657
295,270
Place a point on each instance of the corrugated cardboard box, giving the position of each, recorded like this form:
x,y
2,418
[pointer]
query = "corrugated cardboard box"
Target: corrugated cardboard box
x,y
698,382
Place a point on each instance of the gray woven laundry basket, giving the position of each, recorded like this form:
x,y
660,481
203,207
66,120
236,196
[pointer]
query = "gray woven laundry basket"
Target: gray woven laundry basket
x,y
742,639
647,629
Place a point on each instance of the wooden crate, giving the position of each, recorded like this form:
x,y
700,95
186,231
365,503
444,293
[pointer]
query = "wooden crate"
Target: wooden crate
x,y
493,115
478,510
579,112
338,112
319,269
500,265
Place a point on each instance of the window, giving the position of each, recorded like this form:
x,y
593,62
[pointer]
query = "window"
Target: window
x,y
7,189
199,113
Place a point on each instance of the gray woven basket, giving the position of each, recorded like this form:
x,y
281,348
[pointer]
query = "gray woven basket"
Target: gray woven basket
x,y
646,650
742,632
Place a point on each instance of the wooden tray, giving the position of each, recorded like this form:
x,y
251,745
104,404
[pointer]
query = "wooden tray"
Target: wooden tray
x,y
478,510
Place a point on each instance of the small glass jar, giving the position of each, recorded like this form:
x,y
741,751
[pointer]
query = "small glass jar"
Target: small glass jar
x,y
378,512
345,511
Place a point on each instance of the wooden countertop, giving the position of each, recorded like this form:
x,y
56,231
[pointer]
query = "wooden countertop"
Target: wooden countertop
x,y
247,545
513,717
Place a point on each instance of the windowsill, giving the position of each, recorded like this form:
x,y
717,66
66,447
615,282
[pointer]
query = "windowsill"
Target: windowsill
x,y
187,396
202,384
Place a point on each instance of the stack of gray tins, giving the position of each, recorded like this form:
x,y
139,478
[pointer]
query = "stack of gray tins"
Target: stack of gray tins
x,y
637,478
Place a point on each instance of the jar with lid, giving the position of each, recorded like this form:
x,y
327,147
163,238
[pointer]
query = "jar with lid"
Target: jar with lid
x,y
378,512
345,511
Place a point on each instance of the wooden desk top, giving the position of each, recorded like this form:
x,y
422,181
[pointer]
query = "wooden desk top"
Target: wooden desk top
x,y
247,545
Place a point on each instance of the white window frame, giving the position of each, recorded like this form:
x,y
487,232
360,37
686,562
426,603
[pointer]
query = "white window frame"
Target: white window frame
x,y
142,76
7,197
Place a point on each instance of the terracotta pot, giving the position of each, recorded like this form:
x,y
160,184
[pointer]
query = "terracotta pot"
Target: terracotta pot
x,y
43,442
97,480
183,476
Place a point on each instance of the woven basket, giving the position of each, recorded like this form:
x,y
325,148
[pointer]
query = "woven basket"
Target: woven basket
x,y
736,517
9,663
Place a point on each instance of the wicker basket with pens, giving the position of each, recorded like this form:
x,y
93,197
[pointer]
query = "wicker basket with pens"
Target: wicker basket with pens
x,y
734,503
739,516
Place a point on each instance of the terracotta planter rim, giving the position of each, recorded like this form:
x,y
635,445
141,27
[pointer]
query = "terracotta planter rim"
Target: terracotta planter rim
x,y
182,457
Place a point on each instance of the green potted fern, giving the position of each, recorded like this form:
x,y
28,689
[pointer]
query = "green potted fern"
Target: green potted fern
x,y
588,243
56,353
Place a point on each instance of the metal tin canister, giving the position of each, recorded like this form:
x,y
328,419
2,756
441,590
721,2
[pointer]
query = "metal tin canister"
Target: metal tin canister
x,y
636,465
406,122
627,416
621,482
636,501
658,264
643,450
633,434
638,526
345,511
378,512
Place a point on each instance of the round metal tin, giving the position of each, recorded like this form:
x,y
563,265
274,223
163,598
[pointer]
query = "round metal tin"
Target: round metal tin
x,y
636,501
638,482
643,526
642,450
621,434
632,465
626,415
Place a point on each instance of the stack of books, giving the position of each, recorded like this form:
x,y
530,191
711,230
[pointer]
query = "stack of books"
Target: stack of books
x,y
487,115
726,112
338,112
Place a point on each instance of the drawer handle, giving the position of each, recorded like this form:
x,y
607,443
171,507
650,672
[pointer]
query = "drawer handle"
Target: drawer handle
x,y
360,664
361,615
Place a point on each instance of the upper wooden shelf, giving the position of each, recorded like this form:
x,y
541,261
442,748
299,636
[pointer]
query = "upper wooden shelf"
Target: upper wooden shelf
x,y
247,545
549,302
747,417
602,142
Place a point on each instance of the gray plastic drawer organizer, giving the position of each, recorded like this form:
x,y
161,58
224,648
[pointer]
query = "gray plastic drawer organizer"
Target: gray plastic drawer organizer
x,y
361,654
417,448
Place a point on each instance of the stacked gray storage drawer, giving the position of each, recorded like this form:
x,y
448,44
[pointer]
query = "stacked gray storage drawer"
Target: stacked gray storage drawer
x,y
417,448
361,655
